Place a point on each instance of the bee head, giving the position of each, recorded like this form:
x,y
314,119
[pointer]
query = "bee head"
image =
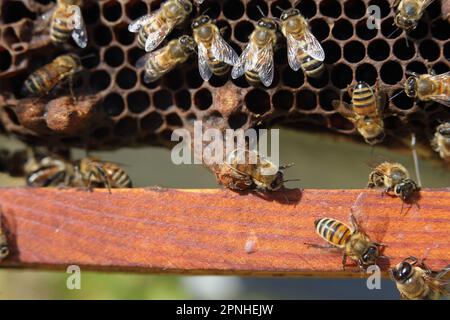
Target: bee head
x,y
402,272
200,21
187,43
405,189
406,22
277,183
4,251
267,23
289,13
370,256
411,87
444,129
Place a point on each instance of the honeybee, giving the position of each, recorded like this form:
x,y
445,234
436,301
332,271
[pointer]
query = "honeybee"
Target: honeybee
x,y
153,28
250,170
256,61
304,50
418,282
4,250
161,61
353,241
93,172
43,80
429,87
65,20
409,12
51,171
365,111
214,54
441,141
394,178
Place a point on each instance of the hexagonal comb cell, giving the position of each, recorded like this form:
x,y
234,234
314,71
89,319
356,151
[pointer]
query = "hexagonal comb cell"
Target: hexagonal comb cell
x,y
140,111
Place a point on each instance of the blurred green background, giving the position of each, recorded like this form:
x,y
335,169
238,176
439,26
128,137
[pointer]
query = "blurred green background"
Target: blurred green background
x,y
320,162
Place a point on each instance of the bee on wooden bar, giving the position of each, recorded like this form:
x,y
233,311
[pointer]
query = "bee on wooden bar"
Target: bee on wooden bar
x,y
353,241
394,178
304,50
418,282
365,111
161,61
441,141
153,28
52,171
65,20
96,173
214,55
256,61
250,170
429,87
4,250
409,12
43,80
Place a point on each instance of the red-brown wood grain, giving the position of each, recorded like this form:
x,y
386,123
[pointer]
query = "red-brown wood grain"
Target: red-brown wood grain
x,y
212,231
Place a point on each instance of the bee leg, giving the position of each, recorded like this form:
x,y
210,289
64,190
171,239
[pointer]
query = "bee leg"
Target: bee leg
x,y
319,246
344,261
350,89
443,272
395,3
74,99
104,178
430,69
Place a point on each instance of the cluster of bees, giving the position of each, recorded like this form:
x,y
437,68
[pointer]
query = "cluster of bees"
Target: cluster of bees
x,y
256,63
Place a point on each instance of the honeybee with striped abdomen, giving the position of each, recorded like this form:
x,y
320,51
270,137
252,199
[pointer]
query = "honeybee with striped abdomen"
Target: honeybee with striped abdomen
x,y
250,170
441,141
93,172
304,50
365,111
51,171
4,250
353,241
43,80
65,20
417,282
214,55
394,178
161,61
153,28
256,61
409,12
429,87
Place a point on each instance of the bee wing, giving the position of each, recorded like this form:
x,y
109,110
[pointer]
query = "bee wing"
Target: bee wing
x,y
137,24
222,51
156,37
424,4
203,67
441,98
293,53
264,64
79,33
140,63
43,20
439,285
309,44
241,65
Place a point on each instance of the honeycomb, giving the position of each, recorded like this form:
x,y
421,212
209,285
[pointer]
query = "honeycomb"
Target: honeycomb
x,y
129,111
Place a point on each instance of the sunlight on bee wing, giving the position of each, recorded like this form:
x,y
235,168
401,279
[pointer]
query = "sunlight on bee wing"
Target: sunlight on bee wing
x,y
222,51
240,67
43,20
79,33
312,46
293,53
265,65
137,24
203,67
155,38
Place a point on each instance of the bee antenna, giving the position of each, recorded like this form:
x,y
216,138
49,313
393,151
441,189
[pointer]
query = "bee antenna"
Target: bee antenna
x,y
279,8
205,11
87,56
396,95
395,30
290,180
296,3
416,159
261,10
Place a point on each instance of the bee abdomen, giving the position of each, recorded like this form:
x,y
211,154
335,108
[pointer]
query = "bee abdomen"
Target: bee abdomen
x,y
59,35
219,68
142,38
35,84
252,77
120,179
311,67
333,231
